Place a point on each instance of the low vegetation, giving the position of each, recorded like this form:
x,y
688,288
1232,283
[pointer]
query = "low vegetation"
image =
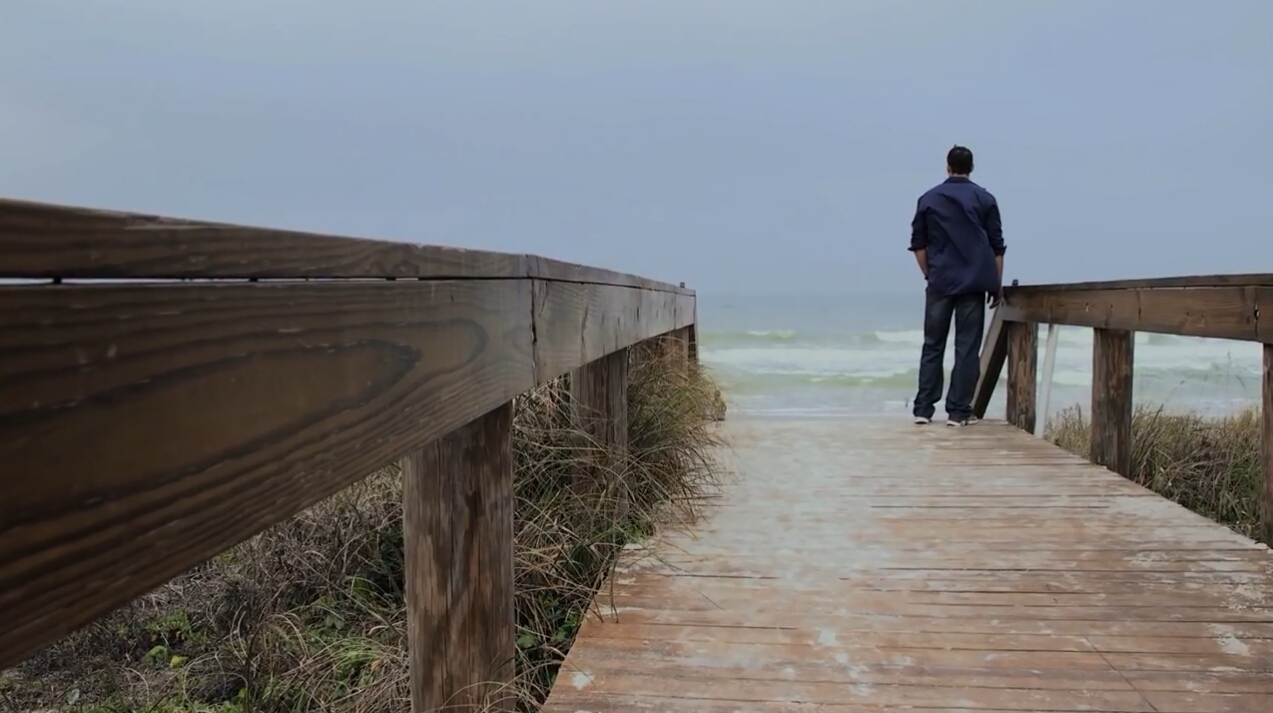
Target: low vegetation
x,y
309,615
1210,465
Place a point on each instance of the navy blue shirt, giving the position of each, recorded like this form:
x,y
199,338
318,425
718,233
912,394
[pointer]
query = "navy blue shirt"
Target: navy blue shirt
x,y
957,222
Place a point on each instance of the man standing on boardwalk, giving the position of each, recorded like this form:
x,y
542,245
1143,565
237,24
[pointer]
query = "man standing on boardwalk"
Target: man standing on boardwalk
x,y
957,239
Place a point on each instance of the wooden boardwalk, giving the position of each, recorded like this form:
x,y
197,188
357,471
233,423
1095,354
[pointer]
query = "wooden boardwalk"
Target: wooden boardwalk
x,y
868,566
854,565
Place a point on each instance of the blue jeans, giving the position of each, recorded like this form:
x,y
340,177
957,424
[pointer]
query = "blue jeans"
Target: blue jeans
x,y
969,314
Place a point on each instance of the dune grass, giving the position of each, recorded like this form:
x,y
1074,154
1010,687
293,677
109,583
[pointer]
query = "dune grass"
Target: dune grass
x,y
1210,465
309,615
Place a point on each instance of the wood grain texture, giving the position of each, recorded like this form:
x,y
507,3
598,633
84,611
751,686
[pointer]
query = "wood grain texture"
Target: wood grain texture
x,y
994,352
1023,357
1264,314
41,240
599,402
599,399
577,324
558,271
1228,280
1266,411
891,566
1219,312
145,428
44,240
458,533
1113,353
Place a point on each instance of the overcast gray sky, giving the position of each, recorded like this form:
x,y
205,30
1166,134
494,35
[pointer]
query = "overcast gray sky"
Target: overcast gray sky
x,y
733,144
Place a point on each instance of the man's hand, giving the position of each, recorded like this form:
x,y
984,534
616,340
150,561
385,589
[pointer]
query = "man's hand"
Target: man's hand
x,y
994,298
921,259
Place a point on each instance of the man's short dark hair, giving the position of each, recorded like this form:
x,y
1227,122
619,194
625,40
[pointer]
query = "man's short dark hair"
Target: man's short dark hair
x,y
959,160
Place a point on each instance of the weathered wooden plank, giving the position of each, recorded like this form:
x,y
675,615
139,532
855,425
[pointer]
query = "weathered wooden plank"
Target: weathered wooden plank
x,y
1202,701
1228,280
957,604
1266,410
145,428
1264,314
597,630
1023,357
559,271
1220,312
679,341
993,354
45,240
1112,357
576,324
599,402
933,667
697,690
599,398
865,627
41,240
809,583
458,533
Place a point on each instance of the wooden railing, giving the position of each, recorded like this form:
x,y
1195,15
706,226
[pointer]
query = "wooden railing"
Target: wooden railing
x,y
171,388
1236,307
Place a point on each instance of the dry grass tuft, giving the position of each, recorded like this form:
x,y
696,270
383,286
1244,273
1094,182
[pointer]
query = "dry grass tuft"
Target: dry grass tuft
x,y
1209,465
309,615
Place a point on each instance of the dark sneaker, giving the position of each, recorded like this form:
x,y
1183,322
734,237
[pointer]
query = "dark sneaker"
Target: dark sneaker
x,y
922,420
961,422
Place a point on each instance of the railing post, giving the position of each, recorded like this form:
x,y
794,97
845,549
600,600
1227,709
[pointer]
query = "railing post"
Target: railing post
x,y
1112,356
1023,357
599,399
672,344
1266,448
458,534
683,340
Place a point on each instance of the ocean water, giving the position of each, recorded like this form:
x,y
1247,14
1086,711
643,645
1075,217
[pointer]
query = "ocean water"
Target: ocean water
x,y
820,355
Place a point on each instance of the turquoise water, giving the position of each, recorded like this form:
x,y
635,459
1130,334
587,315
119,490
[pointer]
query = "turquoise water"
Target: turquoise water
x,y
825,355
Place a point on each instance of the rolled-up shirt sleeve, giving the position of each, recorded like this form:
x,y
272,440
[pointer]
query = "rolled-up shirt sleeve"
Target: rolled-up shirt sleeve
x,y
994,227
919,229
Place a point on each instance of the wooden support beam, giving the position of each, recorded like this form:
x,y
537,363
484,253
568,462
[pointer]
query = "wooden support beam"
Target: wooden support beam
x,y
672,345
1023,357
599,400
1112,356
1266,408
692,335
993,353
683,343
458,533
599,396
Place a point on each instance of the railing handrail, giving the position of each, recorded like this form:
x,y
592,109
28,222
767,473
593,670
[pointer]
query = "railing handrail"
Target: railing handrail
x,y
1253,279
148,425
46,240
1219,306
